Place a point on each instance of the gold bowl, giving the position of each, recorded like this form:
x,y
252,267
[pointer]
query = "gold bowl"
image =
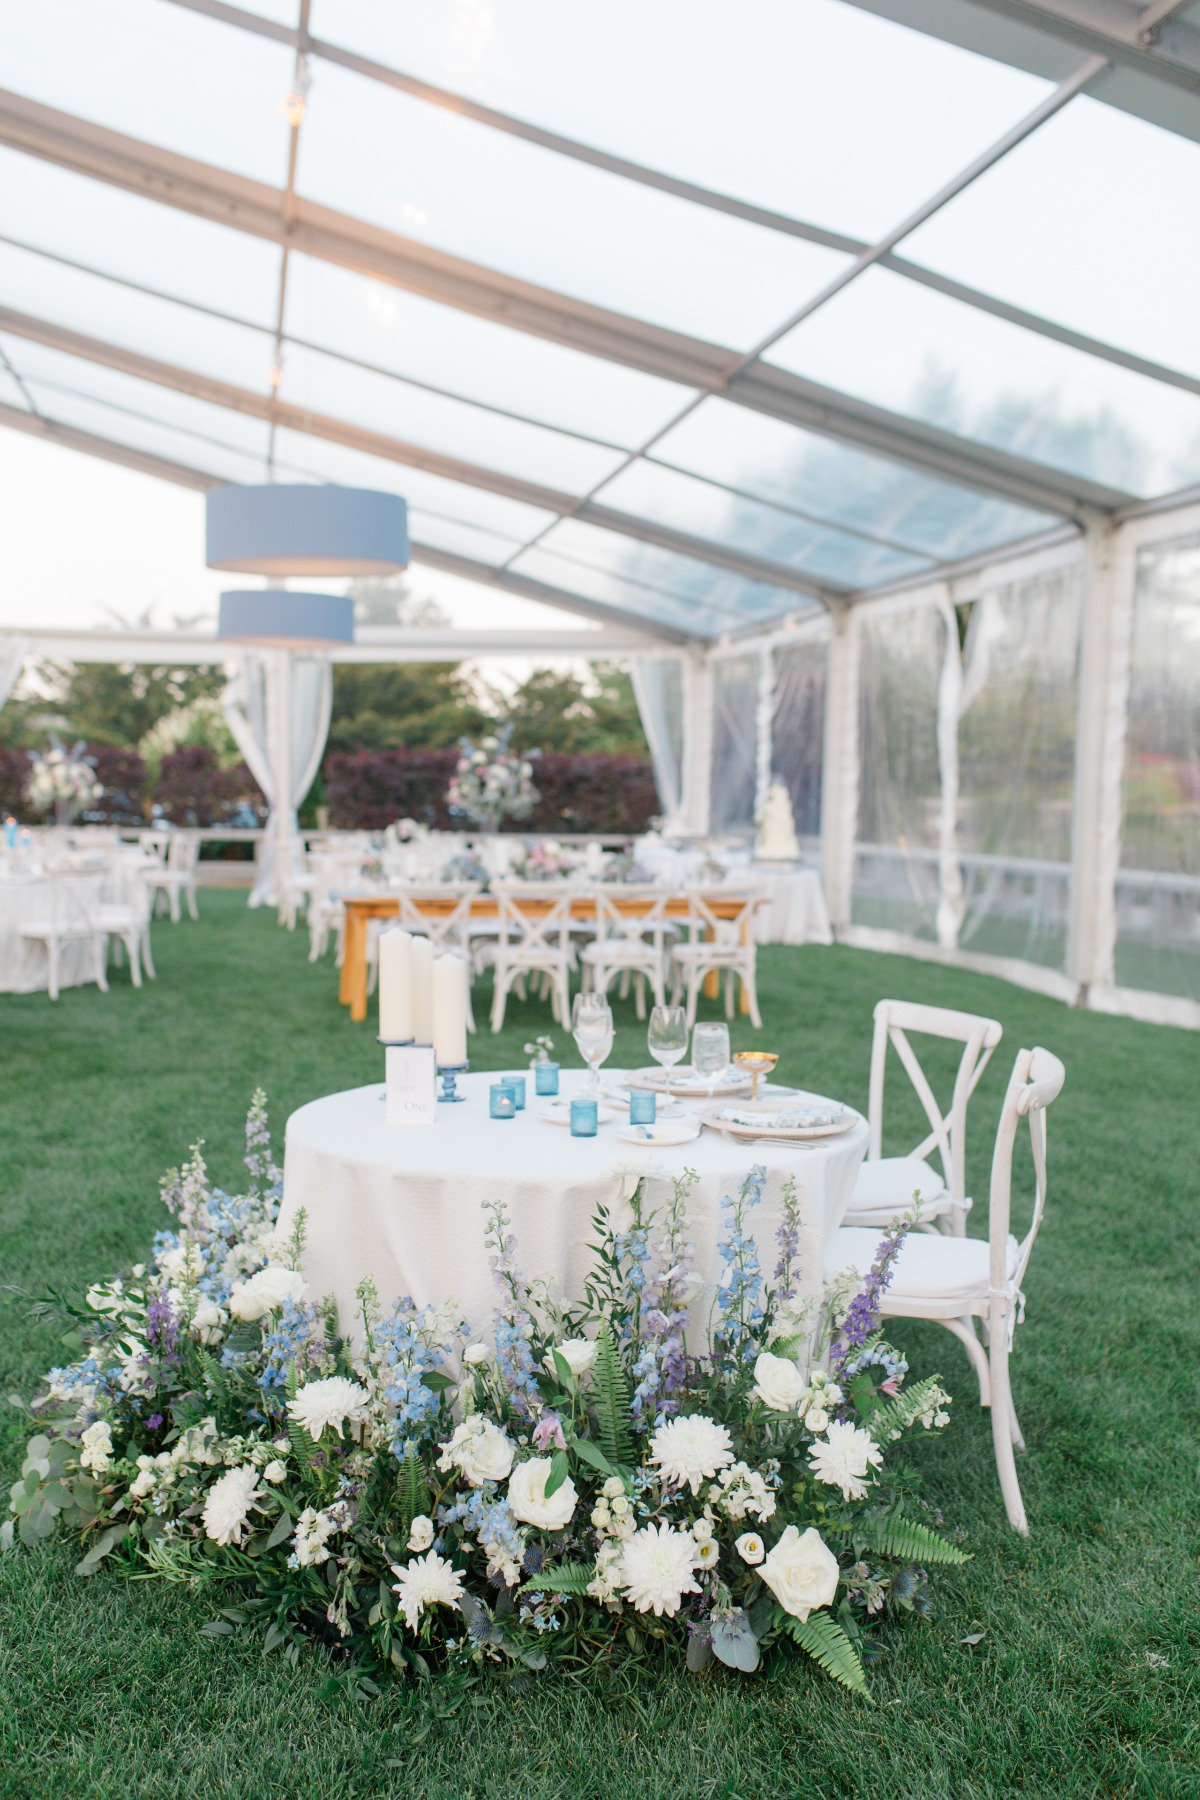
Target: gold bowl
x,y
755,1063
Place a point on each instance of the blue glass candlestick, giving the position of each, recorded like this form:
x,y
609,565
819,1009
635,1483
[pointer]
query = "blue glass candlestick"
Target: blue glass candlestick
x,y
448,1072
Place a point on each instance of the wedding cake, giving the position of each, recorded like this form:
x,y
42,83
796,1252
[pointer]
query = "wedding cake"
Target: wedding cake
x,y
778,841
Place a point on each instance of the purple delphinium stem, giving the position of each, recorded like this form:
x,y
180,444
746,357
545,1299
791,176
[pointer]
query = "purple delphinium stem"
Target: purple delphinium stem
x,y
862,1314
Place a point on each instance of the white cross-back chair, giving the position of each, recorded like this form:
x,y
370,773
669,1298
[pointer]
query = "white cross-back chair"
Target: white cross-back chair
x,y
126,923
175,876
70,918
885,1186
296,883
958,1280
534,939
725,946
630,927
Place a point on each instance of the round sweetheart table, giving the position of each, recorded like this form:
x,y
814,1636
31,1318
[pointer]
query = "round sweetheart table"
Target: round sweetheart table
x,y
405,1204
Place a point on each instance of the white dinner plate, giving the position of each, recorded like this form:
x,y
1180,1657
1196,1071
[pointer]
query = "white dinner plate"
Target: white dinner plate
x,y
662,1133
746,1133
687,1085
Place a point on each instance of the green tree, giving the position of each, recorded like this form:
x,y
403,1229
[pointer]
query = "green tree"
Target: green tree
x,y
105,703
409,706
556,711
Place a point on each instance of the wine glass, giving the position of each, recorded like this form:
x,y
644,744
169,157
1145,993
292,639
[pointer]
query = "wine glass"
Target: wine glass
x,y
592,1027
710,1052
667,1037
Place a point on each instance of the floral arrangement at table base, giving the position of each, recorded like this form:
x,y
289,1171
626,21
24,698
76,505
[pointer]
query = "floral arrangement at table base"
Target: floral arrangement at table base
x,y
491,783
62,781
577,1486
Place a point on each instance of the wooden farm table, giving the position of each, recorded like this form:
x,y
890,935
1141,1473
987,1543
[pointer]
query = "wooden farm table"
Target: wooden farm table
x,y
361,908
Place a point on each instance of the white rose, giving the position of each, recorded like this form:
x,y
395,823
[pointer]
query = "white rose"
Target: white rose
x,y
816,1419
421,1535
208,1320
612,1487
267,1291
143,1485
275,1472
578,1353
480,1449
750,1547
97,1447
527,1496
476,1353
778,1382
702,1530
801,1571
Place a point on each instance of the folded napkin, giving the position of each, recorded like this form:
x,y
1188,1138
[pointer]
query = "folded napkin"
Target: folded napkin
x,y
791,1118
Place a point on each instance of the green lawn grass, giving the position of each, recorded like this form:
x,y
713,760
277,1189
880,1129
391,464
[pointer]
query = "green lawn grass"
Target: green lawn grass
x,y
1085,1680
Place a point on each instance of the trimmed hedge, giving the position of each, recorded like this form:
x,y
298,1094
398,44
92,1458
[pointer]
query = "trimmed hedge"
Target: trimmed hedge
x,y
366,790
192,790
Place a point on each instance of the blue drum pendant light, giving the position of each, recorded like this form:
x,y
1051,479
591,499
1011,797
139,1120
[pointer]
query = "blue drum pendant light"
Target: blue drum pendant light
x,y
304,529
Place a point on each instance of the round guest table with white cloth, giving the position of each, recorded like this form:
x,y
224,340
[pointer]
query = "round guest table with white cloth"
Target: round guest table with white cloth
x,y
404,1204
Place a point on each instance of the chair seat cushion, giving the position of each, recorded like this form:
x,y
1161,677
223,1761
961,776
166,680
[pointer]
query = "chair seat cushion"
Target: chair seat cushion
x,y
891,1181
928,1267
624,950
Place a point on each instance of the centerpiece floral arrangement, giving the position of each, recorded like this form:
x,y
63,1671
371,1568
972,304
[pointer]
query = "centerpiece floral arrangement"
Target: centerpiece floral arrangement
x,y
544,859
491,782
578,1484
624,868
61,781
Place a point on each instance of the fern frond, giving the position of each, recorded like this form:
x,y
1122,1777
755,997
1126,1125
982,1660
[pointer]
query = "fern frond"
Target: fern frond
x,y
891,1417
825,1641
612,1398
414,1495
909,1541
567,1578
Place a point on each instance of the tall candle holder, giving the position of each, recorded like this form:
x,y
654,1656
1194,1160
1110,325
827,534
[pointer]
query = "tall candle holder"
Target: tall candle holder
x,y
449,1073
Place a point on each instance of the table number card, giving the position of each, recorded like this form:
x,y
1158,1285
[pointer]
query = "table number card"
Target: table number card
x,y
411,1099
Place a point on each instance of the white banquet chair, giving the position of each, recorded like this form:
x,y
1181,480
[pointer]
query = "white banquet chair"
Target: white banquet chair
x,y
886,1185
175,877
724,946
126,924
534,938
955,1281
296,883
630,927
70,918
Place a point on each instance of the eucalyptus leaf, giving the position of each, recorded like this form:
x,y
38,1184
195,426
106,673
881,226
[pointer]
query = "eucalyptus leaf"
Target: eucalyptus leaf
x,y
283,1529
699,1650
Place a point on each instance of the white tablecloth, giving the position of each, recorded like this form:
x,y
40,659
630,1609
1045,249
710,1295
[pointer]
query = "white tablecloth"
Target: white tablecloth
x,y
797,913
405,1205
25,897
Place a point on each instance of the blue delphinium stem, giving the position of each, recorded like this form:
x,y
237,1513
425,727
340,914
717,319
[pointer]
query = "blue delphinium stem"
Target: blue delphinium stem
x,y
862,1315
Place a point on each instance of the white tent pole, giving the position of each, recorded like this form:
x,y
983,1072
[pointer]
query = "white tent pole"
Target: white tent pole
x,y
764,720
839,775
1100,754
697,742
949,706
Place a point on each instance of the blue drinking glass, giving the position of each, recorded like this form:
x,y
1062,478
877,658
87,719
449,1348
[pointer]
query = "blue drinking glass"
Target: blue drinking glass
x,y
643,1106
585,1118
501,1101
516,1086
545,1077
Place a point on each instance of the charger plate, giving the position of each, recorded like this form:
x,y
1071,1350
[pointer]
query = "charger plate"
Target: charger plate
x,y
685,1084
794,1134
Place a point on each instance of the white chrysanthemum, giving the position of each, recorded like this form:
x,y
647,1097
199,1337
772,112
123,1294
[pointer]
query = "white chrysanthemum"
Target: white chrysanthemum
x,y
321,1405
690,1450
843,1457
656,1569
228,1503
426,1581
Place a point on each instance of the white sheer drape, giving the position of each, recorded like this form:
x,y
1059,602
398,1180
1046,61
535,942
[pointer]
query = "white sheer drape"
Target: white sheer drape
x,y
278,707
658,690
735,746
798,729
1158,886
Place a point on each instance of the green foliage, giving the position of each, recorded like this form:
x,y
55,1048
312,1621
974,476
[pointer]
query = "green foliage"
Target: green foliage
x,y
402,706
107,703
825,1641
910,1541
413,1493
564,1578
612,1398
556,711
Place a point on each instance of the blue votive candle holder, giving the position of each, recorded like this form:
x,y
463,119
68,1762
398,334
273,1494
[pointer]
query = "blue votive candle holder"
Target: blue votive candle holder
x,y
545,1078
516,1086
643,1106
585,1118
502,1102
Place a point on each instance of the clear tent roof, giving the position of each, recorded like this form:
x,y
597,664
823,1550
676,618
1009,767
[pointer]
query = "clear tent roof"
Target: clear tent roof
x,y
693,328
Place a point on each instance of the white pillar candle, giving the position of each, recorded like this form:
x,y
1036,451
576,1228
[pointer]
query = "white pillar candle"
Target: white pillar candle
x,y
450,1012
422,990
395,987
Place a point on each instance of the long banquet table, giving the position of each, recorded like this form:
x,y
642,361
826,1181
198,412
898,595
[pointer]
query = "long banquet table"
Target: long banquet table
x,y
360,909
405,1204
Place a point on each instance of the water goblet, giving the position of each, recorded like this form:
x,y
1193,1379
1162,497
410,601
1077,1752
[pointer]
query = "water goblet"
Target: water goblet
x,y
667,1036
592,1027
710,1052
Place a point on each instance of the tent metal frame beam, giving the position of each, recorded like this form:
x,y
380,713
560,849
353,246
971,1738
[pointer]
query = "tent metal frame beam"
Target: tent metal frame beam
x,y
88,443
406,645
254,207
282,414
